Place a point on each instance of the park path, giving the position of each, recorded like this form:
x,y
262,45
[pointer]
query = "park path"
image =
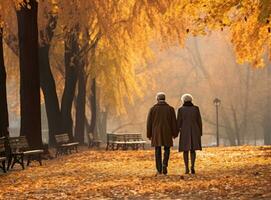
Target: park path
x,y
222,173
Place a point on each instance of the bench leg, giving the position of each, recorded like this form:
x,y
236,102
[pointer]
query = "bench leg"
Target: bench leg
x,y
18,159
34,157
9,162
58,151
13,162
4,166
28,160
39,159
107,146
111,147
64,151
22,161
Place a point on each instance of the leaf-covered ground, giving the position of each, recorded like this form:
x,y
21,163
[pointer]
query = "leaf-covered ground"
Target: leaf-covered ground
x,y
222,173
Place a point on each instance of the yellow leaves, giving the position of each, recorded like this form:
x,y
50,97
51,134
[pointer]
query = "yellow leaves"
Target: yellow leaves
x,y
114,68
249,39
265,7
169,20
22,3
224,173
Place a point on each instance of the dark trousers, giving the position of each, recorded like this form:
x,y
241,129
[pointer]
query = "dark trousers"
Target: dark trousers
x,y
192,157
158,157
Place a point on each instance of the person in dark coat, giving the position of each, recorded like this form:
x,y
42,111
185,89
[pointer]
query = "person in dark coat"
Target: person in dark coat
x,y
161,129
189,125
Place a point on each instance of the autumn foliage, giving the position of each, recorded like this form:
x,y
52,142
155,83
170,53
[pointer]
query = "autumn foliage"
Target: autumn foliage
x,y
123,31
222,173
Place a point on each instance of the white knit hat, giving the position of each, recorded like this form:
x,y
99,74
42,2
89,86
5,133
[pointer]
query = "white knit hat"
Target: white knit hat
x,y
186,98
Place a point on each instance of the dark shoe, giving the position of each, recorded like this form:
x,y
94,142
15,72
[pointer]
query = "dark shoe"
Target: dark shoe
x,y
164,170
186,171
193,171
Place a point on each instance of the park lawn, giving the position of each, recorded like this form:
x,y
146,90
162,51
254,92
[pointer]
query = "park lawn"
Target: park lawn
x,y
222,173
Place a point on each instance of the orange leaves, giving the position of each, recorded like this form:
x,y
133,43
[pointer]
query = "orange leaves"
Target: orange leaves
x,y
265,7
250,40
170,20
224,173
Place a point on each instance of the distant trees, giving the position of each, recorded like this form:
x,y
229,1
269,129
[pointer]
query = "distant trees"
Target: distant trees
x,y
103,43
266,122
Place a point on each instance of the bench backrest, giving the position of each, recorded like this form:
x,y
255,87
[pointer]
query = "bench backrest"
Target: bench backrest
x,y
110,137
119,137
62,138
133,137
115,137
2,145
124,137
18,143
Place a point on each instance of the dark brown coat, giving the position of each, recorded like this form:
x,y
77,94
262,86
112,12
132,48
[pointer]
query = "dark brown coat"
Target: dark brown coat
x,y
161,125
190,125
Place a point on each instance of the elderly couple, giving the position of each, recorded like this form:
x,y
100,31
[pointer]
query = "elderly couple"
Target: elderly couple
x,y
163,127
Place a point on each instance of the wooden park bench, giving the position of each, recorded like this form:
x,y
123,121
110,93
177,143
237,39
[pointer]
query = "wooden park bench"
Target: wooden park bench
x,y
20,150
115,141
135,141
64,145
93,142
123,141
2,154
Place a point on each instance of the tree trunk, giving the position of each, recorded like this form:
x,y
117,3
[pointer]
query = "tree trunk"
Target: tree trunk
x,y
71,57
93,103
29,74
48,87
229,130
80,106
267,114
101,125
266,124
98,121
47,81
101,118
246,106
4,123
236,126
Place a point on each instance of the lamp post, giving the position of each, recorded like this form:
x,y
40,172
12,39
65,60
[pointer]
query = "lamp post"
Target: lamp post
x,y
217,103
